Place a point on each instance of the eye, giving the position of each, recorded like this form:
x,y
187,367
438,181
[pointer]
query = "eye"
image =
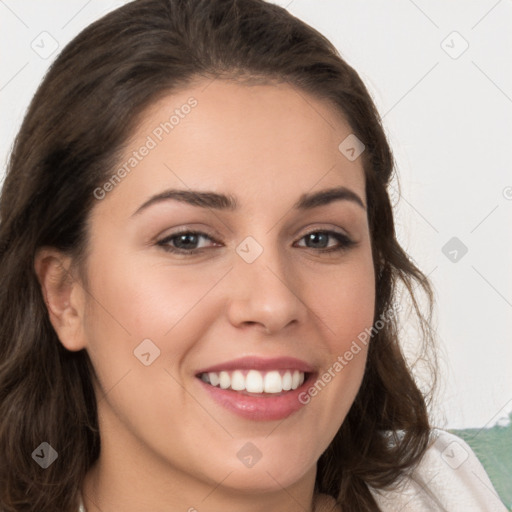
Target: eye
x,y
183,242
186,241
321,237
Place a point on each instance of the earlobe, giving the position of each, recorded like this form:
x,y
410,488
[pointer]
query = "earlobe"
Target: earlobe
x,y
63,296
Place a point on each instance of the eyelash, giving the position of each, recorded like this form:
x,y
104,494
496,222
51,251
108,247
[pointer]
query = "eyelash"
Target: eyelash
x,y
344,241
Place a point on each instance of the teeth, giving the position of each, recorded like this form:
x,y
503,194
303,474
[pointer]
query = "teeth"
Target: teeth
x,y
254,381
295,380
214,379
237,381
273,382
287,381
224,380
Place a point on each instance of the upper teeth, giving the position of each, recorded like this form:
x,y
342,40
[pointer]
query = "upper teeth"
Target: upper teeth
x,y
255,381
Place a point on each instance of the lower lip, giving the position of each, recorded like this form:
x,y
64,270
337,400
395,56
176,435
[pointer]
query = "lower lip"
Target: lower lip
x,y
259,408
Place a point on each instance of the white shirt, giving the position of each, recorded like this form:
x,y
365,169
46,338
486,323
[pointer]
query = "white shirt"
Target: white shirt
x,y
449,478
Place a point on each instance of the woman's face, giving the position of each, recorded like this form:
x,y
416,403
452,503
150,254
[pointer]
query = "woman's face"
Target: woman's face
x,y
253,302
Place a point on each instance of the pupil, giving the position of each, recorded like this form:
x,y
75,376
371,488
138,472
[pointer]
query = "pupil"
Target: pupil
x,y
314,237
186,237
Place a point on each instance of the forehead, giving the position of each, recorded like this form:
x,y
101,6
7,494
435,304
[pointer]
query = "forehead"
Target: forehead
x,y
261,141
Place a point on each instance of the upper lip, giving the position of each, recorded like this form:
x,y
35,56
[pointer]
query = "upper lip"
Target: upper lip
x,y
260,363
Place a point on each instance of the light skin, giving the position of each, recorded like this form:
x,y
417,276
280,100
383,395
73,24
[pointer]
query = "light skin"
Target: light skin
x,y
165,444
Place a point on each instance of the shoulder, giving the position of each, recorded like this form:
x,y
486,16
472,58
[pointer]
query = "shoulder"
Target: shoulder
x,y
448,478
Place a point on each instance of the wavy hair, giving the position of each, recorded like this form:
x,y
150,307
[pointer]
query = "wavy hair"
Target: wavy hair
x,y
71,138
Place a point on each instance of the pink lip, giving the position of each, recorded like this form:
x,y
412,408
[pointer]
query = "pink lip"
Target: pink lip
x,y
265,407
261,364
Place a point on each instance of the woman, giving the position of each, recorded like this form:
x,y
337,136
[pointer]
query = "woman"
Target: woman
x,y
199,276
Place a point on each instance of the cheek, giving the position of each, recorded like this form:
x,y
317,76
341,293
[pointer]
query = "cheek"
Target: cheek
x,y
146,300
133,301
345,301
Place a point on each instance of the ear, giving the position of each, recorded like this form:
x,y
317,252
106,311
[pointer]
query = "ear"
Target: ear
x,y
63,294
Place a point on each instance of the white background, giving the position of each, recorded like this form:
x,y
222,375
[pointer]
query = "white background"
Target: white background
x,y
449,121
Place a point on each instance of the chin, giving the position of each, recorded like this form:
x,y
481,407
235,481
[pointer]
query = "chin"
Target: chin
x,y
275,469
266,478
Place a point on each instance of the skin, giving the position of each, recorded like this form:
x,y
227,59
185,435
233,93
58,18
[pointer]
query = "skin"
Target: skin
x,y
165,444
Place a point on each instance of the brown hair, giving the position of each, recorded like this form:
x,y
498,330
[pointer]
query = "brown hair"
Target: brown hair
x,y
83,113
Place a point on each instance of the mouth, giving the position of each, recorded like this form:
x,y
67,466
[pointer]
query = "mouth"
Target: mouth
x,y
256,388
256,383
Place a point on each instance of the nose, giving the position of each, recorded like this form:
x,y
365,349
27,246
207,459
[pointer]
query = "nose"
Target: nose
x,y
265,292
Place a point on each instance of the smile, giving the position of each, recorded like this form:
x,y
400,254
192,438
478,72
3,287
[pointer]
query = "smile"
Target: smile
x,y
255,381
257,389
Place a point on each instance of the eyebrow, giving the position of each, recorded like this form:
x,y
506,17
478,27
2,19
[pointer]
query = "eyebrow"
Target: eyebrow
x,y
228,202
